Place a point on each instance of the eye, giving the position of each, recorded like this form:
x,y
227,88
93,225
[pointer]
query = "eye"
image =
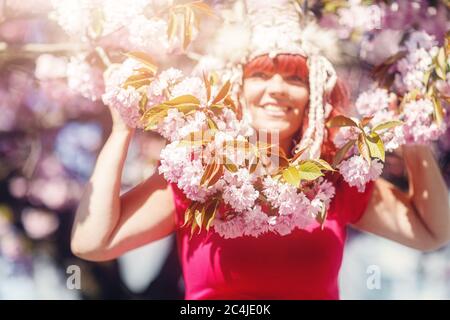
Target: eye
x,y
260,74
295,78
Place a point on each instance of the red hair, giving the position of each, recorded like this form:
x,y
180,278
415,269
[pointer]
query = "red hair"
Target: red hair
x,y
292,64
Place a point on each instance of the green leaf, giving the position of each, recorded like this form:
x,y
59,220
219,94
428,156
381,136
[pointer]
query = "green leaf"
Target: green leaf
x,y
222,93
216,109
438,111
237,145
292,176
184,99
187,108
341,121
440,73
143,103
210,213
426,77
228,101
340,154
155,110
188,25
322,164
364,121
309,171
229,165
376,146
363,147
205,136
414,94
190,143
253,164
190,211
194,226
197,138
144,71
441,60
203,7
212,174
187,216
152,121
172,28
207,174
199,215
137,81
212,124
98,20
298,154
143,58
332,6
387,125
322,216
216,176
207,86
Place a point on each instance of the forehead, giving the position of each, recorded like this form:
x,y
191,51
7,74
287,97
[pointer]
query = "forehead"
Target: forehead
x,y
282,63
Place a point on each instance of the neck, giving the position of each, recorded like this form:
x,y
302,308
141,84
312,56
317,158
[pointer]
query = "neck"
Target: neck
x,y
286,145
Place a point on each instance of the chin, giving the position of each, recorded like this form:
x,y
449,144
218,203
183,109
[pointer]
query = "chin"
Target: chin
x,y
286,122
284,128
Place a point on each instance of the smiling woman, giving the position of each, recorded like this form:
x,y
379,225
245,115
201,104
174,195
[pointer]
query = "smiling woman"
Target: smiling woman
x,y
289,89
276,95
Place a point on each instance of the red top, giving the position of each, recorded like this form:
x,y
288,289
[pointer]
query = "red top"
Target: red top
x,y
301,265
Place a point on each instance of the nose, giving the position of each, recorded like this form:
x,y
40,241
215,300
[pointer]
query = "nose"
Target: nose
x,y
276,87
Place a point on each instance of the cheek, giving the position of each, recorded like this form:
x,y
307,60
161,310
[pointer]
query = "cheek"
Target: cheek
x,y
252,91
299,96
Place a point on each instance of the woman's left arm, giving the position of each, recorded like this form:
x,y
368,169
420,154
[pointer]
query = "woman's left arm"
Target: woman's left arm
x,y
420,218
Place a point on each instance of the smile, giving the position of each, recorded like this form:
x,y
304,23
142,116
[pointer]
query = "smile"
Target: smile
x,y
276,110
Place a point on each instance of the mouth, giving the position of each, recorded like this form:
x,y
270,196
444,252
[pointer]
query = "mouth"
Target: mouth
x,y
276,110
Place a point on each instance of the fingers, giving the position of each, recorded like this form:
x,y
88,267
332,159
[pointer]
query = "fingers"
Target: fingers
x,y
117,120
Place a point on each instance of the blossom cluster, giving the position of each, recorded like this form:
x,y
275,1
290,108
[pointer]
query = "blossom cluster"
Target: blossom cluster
x,y
419,124
359,17
94,18
181,107
380,104
421,49
125,100
105,27
247,193
379,107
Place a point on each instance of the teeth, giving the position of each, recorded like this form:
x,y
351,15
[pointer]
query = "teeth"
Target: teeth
x,y
271,107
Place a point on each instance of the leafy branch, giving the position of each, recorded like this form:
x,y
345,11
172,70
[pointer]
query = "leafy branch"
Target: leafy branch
x,y
369,143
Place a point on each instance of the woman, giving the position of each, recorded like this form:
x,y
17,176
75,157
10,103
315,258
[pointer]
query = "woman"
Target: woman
x,y
276,93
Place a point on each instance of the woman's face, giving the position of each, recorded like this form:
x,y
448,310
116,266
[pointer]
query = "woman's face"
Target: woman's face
x,y
276,101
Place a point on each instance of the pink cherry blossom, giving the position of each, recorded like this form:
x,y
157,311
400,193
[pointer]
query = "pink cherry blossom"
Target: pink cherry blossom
x,y
358,172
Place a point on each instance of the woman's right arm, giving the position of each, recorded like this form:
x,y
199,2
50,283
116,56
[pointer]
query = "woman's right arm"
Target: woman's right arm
x,y
108,224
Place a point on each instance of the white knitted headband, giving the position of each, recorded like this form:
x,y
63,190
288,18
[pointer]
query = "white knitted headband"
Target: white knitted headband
x,y
275,27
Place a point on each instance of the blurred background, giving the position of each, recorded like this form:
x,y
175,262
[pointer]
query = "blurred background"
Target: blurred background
x,y
53,124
